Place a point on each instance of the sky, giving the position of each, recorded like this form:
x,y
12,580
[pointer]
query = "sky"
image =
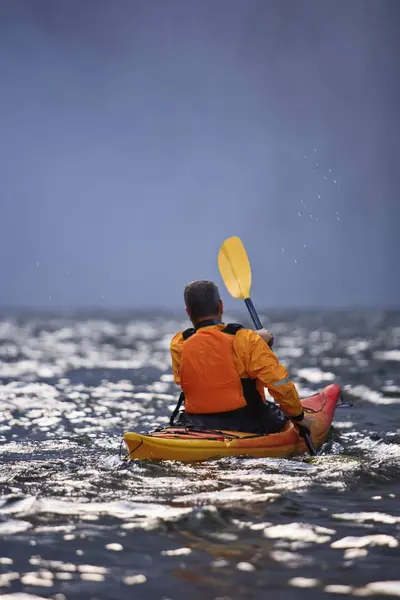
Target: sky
x,y
136,135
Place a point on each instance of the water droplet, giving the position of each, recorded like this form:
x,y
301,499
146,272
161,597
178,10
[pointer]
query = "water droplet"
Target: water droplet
x,y
305,156
49,297
315,149
325,177
311,216
295,261
299,213
38,264
304,246
313,170
334,181
338,218
319,196
317,164
283,249
330,170
316,218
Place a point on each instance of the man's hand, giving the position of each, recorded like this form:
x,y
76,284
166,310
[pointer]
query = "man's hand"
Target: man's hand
x,y
267,336
306,423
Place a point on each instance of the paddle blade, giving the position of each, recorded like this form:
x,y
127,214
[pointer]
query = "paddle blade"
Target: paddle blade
x,y
234,266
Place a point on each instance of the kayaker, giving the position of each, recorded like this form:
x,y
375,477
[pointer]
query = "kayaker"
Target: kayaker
x,y
223,369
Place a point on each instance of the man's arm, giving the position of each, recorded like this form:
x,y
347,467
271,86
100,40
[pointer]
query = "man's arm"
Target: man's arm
x,y
176,352
262,363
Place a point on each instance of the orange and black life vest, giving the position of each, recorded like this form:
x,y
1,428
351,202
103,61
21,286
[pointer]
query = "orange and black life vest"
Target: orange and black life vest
x,y
209,380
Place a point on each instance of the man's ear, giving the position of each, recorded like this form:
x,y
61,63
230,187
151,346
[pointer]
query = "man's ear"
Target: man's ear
x,y
221,307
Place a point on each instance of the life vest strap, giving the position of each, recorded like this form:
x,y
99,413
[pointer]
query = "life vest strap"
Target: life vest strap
x,y
232,328
188,333
181,400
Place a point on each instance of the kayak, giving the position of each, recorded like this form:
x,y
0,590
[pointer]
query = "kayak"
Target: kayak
x,y
190,445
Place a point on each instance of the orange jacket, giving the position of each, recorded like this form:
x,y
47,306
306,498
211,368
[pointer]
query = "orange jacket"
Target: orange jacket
x,y
253,358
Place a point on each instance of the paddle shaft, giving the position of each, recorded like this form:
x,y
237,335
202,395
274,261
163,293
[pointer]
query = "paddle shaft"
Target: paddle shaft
x,y
255,318
253,313
302,430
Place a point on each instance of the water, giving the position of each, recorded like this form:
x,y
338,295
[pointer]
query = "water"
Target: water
x,y
77,523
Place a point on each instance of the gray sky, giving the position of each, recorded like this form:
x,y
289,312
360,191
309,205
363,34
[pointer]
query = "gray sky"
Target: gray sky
x,y
135,135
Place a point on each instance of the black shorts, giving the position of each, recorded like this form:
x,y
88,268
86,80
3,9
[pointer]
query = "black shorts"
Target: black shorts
x,y
269,419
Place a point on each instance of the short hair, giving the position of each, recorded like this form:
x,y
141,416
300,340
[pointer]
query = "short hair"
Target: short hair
x,y
202,299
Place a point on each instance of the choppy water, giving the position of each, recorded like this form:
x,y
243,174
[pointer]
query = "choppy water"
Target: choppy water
x,y
75,522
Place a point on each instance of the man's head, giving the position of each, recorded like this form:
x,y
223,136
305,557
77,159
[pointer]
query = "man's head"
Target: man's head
x,y
203,301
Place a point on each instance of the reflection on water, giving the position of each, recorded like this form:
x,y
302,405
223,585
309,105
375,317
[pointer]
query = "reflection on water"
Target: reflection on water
x,y
76,522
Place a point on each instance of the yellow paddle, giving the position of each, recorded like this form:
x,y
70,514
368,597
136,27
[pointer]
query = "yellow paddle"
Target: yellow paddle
x,y
235,270
234,266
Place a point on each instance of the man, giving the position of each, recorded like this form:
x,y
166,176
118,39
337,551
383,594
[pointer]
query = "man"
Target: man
x,y
223,369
